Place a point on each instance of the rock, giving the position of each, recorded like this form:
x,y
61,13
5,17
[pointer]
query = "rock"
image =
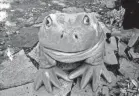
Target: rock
x,y
135,55
110,57
9,53
122,47
11,30
35,53
3,16
129,69
2,41
1,53
19,10
76,91
17,72
24,90
65,89
43,15
115,17
107,3
28,90
114,79
72,10
8,23
2,47
27,37
41,2
59,2
88,10
18,13
30,21
110,3
105,91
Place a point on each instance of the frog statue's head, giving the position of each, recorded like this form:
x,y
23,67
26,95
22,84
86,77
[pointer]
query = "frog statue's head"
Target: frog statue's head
x,y
70,32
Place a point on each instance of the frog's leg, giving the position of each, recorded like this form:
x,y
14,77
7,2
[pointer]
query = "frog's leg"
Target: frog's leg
x,y
92,70
48,73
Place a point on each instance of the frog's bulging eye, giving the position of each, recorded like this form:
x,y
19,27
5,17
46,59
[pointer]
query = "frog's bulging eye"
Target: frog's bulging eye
x,y
86,20
48,21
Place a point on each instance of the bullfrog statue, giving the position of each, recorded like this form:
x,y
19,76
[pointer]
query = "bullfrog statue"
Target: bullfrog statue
x,y
70,38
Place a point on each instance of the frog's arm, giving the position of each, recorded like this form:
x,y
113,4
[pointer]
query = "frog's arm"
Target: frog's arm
x,y
48,72
92,69
45,61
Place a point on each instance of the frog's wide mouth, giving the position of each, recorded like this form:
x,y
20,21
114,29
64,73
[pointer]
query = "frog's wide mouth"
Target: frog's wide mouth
x,y
59,53
78,56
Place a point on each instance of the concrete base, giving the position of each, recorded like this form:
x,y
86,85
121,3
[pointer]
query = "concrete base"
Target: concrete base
x,y
28,90
77,91
24,90
17,72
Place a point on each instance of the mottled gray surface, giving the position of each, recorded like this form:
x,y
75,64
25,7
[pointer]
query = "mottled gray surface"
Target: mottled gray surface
x,y
76,91
129,69
17,72
28,90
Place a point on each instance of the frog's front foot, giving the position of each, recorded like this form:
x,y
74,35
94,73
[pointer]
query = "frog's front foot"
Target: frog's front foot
x,y
48,77
90,72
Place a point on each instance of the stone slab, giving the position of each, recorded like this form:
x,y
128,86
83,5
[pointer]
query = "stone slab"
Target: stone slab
x,y
27,37
25,90
122,47
129,69
110,57
35,53
28,90
72,10
77,91
16,72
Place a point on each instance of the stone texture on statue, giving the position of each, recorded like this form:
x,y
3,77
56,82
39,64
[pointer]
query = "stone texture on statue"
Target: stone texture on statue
x,y
17,72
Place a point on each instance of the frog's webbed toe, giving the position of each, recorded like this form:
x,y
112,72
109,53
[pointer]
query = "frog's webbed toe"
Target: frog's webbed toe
x,y
93,73
97,72
38,80
49,76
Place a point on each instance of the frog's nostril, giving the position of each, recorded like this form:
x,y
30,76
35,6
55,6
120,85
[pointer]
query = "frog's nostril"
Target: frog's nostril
x,y
61,36
76,36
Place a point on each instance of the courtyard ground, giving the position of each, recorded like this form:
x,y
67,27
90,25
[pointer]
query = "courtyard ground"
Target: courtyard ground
x,y
18,38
